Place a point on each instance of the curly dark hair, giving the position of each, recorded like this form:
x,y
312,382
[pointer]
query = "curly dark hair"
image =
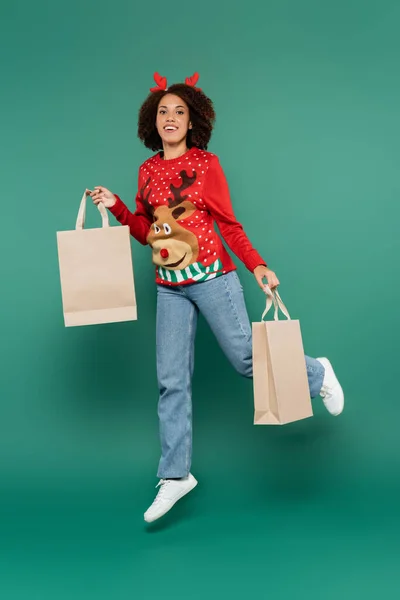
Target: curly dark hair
x,y
201,112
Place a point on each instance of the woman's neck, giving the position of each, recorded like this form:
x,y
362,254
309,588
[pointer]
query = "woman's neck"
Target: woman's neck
x,y
174,151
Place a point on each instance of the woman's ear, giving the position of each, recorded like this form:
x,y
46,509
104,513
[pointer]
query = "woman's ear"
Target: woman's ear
x,y
190,126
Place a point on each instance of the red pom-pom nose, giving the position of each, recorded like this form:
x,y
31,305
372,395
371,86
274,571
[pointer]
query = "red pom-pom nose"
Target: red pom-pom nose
x,y
164,253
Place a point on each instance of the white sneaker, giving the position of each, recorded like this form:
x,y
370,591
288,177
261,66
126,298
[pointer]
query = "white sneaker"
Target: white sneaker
x,y
331,390
171,490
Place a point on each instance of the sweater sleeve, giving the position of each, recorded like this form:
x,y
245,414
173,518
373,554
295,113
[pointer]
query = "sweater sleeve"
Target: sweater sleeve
x,y
217,199
139,222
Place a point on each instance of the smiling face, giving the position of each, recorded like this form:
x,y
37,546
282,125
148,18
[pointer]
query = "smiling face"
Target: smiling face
x,y
173,246
173,119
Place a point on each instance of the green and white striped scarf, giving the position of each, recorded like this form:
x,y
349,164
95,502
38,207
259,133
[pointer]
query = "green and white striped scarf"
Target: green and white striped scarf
x,y
196,271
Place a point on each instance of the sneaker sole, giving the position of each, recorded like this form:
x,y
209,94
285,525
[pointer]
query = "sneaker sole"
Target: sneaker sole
x,y
181,495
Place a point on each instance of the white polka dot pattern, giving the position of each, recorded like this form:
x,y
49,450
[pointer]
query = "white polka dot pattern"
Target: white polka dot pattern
x,y
165,181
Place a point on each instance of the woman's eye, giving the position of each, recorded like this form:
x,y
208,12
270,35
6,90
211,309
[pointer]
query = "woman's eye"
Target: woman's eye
x,y
156,228
167,228
180,112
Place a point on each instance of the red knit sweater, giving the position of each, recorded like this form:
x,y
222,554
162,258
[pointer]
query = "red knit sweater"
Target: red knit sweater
x,y
177,204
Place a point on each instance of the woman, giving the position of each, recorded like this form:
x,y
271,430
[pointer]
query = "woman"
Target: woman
x,y
182,192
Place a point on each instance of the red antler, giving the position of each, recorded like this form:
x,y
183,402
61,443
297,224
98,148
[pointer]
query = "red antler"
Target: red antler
x,y
145,197
192,81
161,83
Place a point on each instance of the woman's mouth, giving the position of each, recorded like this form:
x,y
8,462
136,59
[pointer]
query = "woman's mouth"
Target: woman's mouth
x,y
170,129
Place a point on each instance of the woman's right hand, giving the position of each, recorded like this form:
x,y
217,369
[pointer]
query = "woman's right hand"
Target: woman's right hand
x,y
102,194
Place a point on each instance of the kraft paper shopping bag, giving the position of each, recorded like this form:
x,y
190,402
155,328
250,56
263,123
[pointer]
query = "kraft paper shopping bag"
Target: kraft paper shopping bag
x,y
281,391
96,272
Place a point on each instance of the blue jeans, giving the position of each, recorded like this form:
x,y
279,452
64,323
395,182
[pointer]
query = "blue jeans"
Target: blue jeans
x,y
222,304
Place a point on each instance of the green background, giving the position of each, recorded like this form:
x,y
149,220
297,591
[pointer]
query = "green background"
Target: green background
x,y
307,97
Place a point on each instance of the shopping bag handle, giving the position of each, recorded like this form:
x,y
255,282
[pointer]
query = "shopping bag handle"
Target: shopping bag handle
x,y
80,221
274,298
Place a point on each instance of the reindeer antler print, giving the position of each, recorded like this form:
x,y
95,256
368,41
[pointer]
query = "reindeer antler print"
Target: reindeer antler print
x,y
187,181
145,198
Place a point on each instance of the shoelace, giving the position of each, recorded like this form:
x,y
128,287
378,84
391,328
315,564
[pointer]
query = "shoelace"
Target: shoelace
x,y
162,484
326,391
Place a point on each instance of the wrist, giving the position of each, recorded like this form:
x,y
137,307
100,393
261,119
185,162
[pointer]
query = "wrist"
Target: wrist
x,y
115,209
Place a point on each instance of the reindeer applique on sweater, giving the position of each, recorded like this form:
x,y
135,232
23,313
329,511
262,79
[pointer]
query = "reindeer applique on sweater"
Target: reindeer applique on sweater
x,y
176,249
177,204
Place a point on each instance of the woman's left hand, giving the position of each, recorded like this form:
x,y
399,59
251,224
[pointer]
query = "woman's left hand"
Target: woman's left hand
x,y
262,272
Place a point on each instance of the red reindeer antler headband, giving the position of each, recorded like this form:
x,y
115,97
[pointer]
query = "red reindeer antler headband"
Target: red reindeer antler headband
x,y
162,83
192,81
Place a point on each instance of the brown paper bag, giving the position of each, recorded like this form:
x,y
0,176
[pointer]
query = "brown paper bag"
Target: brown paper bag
x,y
96,272
281,391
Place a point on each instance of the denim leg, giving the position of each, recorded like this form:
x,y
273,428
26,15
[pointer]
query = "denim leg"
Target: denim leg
x,y
315,374
176,329
222,303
